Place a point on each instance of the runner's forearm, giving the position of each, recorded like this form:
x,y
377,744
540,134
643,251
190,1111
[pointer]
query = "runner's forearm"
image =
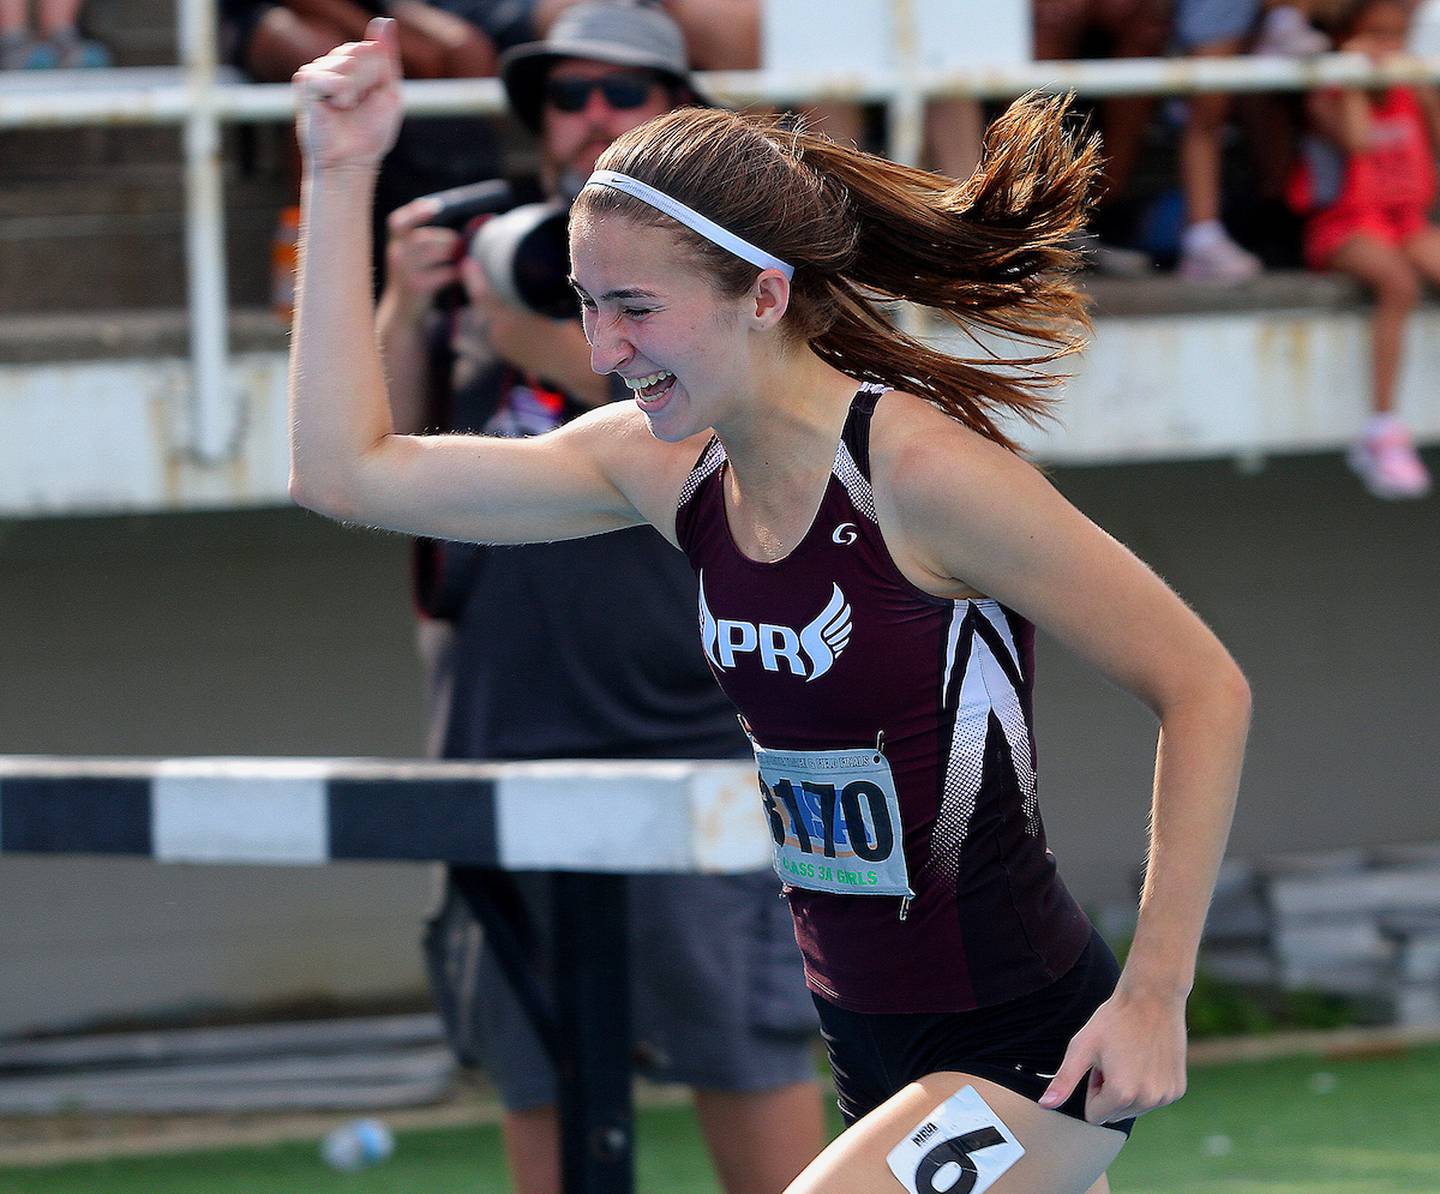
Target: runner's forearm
x,y
1197,774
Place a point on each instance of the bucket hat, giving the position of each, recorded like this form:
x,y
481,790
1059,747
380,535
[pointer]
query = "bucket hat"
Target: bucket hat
x,y
624,34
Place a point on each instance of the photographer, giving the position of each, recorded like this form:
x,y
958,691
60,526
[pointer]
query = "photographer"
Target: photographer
x,y
586,648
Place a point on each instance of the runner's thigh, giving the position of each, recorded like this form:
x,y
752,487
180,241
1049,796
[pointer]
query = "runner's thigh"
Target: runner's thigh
x,y
1062,1155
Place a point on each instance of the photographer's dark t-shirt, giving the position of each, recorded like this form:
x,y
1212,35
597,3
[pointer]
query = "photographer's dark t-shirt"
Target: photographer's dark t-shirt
x,y
580,649
585,649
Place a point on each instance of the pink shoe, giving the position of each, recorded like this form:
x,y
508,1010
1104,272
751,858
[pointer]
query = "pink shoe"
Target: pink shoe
x,y
1386,461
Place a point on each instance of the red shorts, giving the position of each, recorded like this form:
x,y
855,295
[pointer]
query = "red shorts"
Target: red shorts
x,y
1327,231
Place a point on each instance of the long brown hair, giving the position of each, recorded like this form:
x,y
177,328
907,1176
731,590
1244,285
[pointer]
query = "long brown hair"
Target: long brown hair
x,y
995,252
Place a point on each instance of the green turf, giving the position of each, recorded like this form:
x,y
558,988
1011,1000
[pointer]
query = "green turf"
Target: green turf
x,y
1288,1132
1263,1128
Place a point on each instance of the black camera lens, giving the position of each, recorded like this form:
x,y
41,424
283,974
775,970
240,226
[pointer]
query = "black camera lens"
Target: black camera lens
x,y
526,257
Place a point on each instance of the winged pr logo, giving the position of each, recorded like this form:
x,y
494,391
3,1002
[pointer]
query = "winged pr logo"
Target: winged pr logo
x,y
809,652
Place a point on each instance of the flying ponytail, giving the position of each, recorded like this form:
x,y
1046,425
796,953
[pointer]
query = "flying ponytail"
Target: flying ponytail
x,y
995,253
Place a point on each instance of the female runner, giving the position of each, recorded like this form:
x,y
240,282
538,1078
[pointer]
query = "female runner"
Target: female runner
x,y
871,564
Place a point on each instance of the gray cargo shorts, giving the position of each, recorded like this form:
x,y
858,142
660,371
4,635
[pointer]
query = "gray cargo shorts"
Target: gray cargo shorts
x,y
718,993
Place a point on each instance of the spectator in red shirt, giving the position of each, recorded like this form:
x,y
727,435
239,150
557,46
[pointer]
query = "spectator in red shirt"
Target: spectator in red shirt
x,y
1366,182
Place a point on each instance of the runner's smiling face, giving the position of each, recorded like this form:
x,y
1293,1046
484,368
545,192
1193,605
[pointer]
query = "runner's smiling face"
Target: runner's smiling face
x,y
647,310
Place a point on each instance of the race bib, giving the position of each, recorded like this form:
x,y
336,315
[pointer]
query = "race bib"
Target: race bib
x,y
835,820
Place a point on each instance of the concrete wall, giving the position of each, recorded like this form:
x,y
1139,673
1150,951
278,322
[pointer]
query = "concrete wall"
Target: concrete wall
x,y
260,633
272,632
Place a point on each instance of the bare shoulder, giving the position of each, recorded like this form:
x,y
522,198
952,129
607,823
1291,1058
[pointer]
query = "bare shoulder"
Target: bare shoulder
x,y
914,445
648,471
941,488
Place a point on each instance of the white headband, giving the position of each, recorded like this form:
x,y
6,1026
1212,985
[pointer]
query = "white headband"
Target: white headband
x,y
691,218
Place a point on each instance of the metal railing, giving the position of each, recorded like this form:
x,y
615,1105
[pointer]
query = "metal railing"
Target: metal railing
x,y
200,100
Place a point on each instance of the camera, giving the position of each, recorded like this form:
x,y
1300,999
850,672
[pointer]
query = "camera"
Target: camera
x,y
522,249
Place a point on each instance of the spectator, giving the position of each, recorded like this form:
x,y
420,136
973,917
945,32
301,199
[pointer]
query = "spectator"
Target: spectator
x,y
528,665
1067,29
1366,183
726,35
54,40
1221,29
1287,29
1271,124
270,40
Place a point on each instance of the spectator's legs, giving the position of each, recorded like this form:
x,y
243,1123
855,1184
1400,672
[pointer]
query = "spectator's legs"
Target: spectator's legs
x,y
719,34
57,26
532,1149
1424,251
1207,252
761,1140
57,16
1200,144
432,43
954,129
1123,124
19,49
458,49
1384,268
284,42
1384,456
1134,29
1059,26
840,122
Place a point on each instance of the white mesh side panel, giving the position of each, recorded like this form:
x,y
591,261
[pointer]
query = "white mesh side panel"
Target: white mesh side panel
x,y
713,458
862,497
996,617
952,639
985,688
1012,716
1004,700
965,767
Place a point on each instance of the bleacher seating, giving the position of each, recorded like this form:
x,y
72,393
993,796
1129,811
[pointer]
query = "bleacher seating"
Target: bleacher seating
x,y
93,217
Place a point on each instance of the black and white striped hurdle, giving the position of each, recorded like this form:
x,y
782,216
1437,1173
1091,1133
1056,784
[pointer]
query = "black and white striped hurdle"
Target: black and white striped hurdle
x,y
607,817
591,822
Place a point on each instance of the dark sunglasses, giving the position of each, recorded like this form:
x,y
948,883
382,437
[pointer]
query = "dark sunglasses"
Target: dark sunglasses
x,y
621,92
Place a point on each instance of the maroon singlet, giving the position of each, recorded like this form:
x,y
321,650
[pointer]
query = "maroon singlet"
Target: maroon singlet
x,y
832,649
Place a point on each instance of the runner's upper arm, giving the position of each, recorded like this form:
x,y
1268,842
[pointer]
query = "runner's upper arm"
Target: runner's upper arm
x,y
601,472
972,511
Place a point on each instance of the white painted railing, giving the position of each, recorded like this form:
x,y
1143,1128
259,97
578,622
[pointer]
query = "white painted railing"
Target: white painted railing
x,y
200,97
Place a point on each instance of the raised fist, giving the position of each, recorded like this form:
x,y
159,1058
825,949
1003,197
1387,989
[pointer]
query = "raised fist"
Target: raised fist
x,y
349,103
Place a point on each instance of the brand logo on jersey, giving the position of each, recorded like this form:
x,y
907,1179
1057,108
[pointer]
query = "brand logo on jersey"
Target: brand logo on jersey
x,y
845,533
810,651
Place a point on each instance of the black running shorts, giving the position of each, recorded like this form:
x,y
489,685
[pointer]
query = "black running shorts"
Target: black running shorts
x,y
1018,1044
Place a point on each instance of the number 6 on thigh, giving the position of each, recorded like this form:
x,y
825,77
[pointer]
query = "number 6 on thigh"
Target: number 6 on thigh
x,y
927,1140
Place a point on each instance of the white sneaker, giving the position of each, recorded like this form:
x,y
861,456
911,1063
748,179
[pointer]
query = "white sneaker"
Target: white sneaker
x,y
1286,33
1219,262
1386,461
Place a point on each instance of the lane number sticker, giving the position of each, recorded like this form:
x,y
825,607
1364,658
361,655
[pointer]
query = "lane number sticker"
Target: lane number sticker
x,y
961,1147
